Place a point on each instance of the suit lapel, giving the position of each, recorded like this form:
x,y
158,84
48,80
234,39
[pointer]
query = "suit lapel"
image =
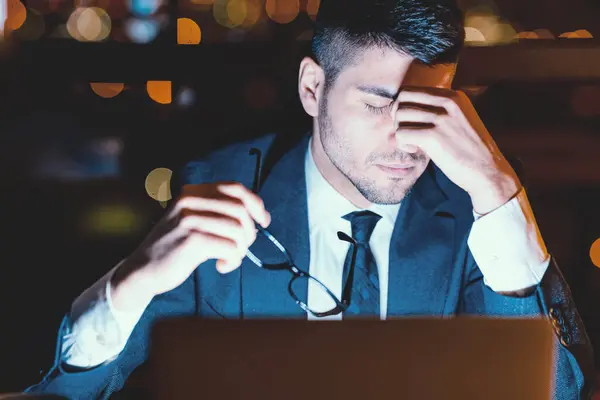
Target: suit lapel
x,y
421,251
265,293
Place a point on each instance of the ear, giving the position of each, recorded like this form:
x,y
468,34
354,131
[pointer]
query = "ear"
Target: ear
x,y
310,85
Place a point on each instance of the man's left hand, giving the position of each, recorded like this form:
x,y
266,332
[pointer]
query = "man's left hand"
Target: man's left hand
x,y
451,133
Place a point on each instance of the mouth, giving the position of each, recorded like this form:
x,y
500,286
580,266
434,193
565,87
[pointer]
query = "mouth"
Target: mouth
x,y
396,169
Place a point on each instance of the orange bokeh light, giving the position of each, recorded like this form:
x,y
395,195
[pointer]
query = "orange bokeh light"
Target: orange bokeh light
x,y
16,13
188,31
595,253
107,90
159,91
283,11
312,6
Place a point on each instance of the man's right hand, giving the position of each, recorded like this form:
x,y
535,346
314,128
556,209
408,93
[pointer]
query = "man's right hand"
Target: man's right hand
x,y
208,221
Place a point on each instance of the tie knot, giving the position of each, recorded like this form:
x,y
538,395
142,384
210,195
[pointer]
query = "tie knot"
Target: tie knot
x,y
363,223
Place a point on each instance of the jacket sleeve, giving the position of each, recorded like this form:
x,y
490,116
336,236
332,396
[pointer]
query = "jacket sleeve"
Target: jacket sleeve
x,y
574,367
102,381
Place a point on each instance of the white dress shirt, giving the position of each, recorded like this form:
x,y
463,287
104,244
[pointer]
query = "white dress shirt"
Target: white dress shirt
x,y
506,244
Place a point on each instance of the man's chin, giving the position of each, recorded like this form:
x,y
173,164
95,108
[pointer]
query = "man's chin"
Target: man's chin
x,y
387,195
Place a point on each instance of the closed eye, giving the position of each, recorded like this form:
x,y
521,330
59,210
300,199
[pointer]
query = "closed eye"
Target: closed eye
x,y
378,110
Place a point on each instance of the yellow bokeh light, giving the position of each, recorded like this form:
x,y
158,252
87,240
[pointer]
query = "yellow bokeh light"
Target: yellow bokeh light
x,y
16,13
595,253
158,184
494,30
473,35
253,13
89,24
159,91
188,31
107,90
231,13
111,219
237,11
283,11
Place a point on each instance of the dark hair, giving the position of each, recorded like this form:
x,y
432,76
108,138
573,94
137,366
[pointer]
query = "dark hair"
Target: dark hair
x,y
430,31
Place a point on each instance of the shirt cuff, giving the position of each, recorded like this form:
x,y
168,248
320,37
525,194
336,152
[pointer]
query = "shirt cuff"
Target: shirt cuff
x,y
97,331
508,247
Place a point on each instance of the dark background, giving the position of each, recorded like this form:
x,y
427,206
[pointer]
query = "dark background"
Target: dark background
x,y
73,164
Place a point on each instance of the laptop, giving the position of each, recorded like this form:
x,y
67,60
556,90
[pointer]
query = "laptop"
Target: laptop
x,y
459,358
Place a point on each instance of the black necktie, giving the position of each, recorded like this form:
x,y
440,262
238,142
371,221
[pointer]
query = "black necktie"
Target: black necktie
x,y
363,276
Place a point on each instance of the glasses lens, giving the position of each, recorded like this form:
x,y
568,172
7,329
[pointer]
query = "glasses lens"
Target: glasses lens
x,y
267,252
321,300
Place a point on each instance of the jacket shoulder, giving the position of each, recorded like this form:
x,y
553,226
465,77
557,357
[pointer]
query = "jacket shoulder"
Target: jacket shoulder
x,y
230,163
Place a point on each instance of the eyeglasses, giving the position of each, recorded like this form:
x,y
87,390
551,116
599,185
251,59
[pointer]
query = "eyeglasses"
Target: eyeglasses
x,y
285,262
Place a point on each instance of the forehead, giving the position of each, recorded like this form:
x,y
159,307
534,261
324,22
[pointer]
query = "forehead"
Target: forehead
x,y
393,69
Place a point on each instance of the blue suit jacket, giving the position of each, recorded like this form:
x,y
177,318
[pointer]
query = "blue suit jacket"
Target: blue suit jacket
x,y
432,272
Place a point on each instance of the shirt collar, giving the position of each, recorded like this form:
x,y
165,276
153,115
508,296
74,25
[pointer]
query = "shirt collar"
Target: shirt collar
x,y
325,204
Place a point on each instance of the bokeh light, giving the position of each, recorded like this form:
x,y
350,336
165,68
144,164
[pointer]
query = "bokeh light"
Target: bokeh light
x,y
494,30
111,220
16,13
595,253
159,91
527,35
578,34
142,30
312,7
544,34
253,13
186,97
144,8
188,31
158,184
107,90
230,13
473,35
282,11
583,34
89,24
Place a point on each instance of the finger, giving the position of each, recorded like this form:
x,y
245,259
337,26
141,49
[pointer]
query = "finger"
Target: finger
x,y
193,197
413,139
415,115
218,224
254,204
227,266
228,255
227,206
445,101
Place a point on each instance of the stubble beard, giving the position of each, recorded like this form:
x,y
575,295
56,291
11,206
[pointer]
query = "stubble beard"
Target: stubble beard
x,y
341,157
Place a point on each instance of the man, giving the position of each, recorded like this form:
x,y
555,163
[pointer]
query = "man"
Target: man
x,y
432,218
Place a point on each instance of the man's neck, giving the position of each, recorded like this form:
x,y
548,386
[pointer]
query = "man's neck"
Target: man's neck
x,y
333,176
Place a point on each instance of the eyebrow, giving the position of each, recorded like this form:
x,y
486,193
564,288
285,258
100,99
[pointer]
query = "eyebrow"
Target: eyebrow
x,y
377,91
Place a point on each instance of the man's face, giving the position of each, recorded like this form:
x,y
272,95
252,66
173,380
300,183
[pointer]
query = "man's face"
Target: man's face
x,y
356,128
